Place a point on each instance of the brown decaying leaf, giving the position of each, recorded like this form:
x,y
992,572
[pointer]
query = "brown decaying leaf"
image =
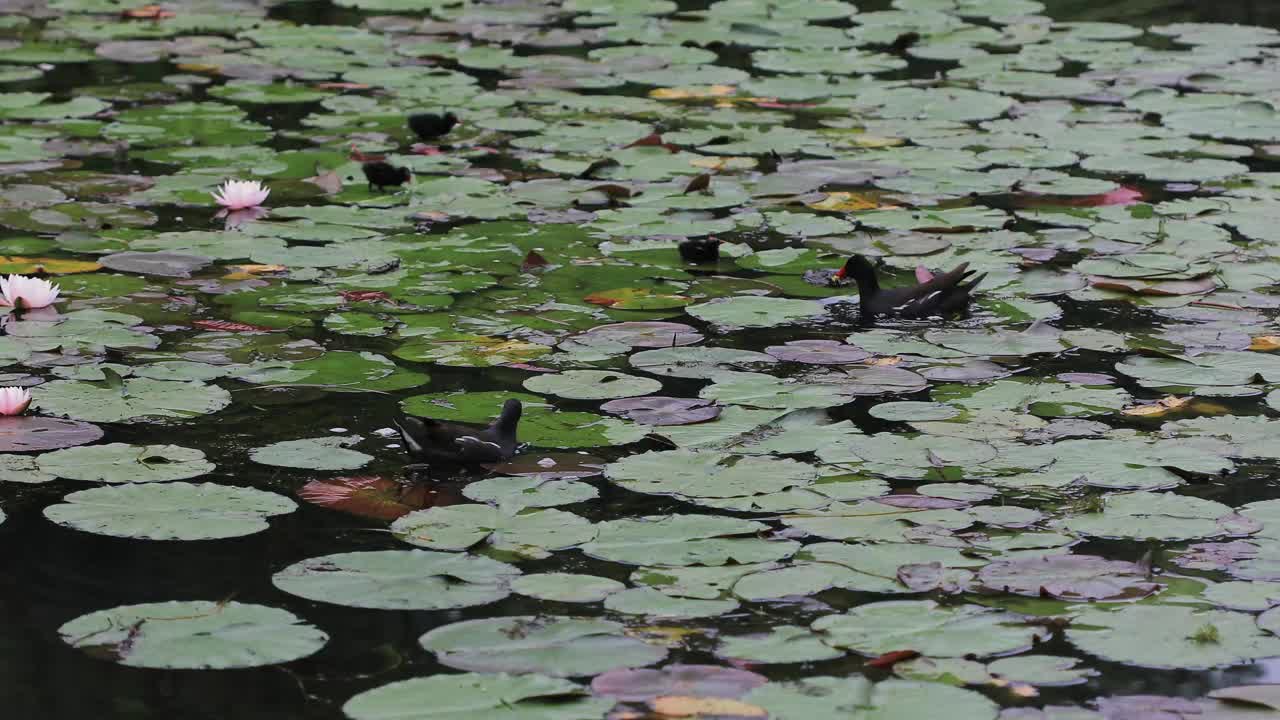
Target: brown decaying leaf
x,y
1164,406
148,12
1265,343
889,659
1139,286
376,497
229,326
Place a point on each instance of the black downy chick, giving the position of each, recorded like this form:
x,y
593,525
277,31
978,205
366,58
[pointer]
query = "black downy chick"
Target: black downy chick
x,y
382,174
429,126
699,250
944,294
431,442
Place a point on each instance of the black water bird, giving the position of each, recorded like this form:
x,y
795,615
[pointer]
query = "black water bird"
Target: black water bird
x,y
942,294
436,442
429,126
699,250
382,174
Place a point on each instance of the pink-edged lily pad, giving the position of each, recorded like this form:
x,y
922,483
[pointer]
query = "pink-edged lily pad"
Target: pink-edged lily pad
x,y
818,352
32,433
647,334
682,680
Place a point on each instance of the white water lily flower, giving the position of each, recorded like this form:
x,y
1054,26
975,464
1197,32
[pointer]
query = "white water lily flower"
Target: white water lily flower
x,y
14,400
31,292
241,194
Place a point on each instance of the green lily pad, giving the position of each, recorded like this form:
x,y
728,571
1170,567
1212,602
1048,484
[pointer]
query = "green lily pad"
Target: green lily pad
x,y
194,635
560,647
172,511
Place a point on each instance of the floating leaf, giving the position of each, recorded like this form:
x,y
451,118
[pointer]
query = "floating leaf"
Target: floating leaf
x,y
194,635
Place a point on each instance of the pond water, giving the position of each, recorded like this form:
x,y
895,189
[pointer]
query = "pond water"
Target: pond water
x,y
1062,504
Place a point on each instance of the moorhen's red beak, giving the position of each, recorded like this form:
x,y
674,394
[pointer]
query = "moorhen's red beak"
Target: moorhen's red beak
x,y
839,274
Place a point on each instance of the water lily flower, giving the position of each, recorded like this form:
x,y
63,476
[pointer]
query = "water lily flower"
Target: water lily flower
x,y
14,400
27,293
241,194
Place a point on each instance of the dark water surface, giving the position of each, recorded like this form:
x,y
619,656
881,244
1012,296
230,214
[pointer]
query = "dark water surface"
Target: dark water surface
x,y
50,574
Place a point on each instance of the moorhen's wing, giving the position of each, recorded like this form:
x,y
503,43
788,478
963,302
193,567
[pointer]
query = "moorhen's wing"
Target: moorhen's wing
x,y
943,293
472,450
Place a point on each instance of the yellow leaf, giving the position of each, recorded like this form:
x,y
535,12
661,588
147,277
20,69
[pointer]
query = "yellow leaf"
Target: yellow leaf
x,y
699,92
684,706
884,361
1265,343
49,266
876,141
844,202
199,67
656,634
247,272
1159,408
723,162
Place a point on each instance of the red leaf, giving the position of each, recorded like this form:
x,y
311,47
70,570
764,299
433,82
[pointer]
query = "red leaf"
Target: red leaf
x,y
229,326
364,295
377,497
890,659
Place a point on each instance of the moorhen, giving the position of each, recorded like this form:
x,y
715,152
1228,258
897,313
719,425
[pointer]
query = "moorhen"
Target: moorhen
x,y
942,294
382,174
429,126
699,250
445,443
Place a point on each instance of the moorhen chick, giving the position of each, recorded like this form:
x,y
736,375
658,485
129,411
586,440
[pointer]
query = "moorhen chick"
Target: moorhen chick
x,y
382,174
699,250
431,442
429,126
943,294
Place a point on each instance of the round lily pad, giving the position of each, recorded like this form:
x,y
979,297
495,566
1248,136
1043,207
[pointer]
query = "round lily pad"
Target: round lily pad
x,y
170,511
324,453
1170,636
194,635
928,628
566,587
818,352
645,334
137,400
122,463
1069,577
29,433
398,579
592,385
663,410
474,695
561,647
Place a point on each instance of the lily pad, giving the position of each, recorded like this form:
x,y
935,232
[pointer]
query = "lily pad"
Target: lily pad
x,y
172,511
194,635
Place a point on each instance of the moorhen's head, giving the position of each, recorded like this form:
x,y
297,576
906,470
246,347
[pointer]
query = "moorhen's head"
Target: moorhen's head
x,y
858,268
510,415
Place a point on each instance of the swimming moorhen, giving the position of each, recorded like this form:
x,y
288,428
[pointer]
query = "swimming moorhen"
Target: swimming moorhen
x,y
382,174
943,294
429,126
445,443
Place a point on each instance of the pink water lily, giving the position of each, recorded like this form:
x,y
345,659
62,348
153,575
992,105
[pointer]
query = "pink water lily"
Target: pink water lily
x,y
27,293
241,194
14,400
